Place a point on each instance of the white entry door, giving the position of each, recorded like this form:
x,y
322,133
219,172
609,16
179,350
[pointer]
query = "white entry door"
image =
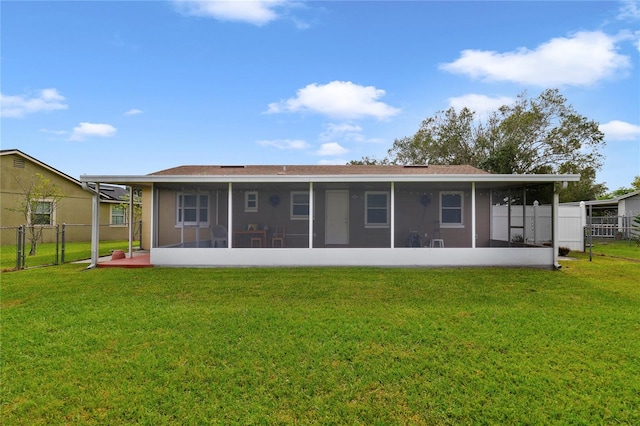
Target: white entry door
x,y
337,217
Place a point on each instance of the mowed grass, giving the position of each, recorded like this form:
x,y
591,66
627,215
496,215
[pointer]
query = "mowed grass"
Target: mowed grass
x,y
628,249
46,253
322,346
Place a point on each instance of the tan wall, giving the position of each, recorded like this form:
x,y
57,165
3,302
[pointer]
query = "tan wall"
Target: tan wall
x,y
73,209
147,212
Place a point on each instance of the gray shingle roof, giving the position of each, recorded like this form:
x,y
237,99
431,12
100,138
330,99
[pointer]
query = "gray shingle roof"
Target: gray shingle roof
x,y
317,170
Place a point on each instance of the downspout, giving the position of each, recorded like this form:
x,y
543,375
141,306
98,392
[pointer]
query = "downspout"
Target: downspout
x,y
95,223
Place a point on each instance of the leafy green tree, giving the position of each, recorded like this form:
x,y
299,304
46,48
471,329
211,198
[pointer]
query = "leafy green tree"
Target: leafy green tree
x,y
38,199
533,135
635,186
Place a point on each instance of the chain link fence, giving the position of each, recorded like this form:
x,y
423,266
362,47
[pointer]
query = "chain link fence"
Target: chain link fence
x,y
31,246
617,236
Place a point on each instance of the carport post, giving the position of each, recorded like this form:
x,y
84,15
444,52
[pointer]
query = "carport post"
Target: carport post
x,y
95,222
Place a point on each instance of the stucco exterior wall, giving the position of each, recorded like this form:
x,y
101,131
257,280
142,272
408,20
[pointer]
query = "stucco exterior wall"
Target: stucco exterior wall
x,y
73,209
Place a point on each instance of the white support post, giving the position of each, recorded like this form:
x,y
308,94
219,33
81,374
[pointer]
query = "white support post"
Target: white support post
x,y
311,207
130,222
230,216
556,204
534,227
95,227
473,215
393,214
583,223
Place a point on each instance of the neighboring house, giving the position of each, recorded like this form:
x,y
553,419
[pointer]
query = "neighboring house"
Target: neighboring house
x,y
627,205
345,215
74,209
611,218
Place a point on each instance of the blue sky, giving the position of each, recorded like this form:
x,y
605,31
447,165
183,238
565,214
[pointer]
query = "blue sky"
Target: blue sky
x,y
125,87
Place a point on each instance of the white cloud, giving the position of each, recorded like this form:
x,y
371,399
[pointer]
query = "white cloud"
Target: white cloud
x,y
21,105
84,130
340,99
331,149
629,10
342,131
582,59
134,111
617,130
256,12
481,104
285,143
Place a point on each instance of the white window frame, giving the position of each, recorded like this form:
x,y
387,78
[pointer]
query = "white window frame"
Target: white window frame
x,y
180,209
367,224
293,204
251,201
124,215
52,212
460,224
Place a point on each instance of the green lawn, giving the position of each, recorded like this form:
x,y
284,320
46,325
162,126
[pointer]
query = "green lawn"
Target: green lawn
x,y
628,249
46,253
329,346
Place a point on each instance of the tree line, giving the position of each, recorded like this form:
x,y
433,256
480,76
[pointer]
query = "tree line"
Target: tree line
x,y
537,135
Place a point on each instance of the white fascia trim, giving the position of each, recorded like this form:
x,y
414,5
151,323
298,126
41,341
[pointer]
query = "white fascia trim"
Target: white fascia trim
x,y
489,178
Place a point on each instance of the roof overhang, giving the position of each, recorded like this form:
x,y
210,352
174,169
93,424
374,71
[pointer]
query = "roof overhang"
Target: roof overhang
x,y
147,180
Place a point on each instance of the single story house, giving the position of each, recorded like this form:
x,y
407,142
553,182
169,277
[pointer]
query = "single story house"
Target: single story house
x,y
391,215
613,217
19,171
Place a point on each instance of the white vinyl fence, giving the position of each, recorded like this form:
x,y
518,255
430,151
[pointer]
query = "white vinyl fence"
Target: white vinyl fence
x,y
571,223
533,225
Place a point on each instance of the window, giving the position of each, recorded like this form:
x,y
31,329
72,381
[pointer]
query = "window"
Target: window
x,y
193,209
299,205
451,209
251,201
118,215
42,213
377,209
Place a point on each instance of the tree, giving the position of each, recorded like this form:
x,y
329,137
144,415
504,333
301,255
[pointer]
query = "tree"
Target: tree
x,y
635,186
137,205
39,198
540,135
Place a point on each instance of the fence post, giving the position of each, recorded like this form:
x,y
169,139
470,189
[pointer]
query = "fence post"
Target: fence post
x,y
64,228
55,262
19,247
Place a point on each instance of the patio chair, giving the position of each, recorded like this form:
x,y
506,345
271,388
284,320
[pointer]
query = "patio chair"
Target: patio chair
x,y
414,239
219,236
278,237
